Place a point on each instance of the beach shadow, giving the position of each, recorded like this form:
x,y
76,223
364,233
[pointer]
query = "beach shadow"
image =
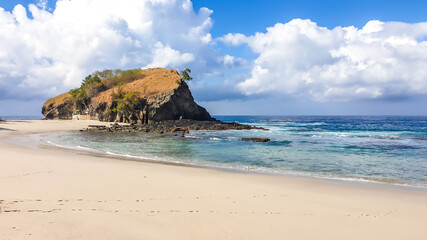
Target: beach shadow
x,y
6,129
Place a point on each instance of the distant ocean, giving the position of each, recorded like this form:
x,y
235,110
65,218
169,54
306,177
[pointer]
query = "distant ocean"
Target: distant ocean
x,y
20,117
388,149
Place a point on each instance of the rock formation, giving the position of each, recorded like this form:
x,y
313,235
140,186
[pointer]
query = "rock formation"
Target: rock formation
x,y
60,107
174,127
254,139
157,95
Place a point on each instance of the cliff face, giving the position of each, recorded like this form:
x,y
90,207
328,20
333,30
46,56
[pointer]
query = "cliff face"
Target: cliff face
x,y
59,107
159,95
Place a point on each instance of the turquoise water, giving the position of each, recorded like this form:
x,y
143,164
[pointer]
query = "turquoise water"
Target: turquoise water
x,y
362,148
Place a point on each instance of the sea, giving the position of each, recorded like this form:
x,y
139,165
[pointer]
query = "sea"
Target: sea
x,y
21,117
380,149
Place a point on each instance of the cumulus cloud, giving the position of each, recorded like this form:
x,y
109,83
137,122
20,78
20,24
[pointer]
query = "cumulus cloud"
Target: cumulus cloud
x,y
42,4
382,60
43,53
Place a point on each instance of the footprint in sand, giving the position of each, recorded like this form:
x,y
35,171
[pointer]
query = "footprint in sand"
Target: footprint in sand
x,y
34,210
9,211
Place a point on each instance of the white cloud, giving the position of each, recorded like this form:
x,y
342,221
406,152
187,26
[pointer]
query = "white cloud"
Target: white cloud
x,y
302,59
49,52
164,56
233,39
42,4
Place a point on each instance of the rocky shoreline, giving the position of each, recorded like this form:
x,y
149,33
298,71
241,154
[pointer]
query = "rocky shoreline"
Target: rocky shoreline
x,y
171,126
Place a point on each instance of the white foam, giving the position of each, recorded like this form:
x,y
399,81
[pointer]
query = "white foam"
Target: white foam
x,y
57,145
84,148
111,153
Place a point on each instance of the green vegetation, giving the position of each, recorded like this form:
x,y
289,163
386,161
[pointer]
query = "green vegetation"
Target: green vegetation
x,y
114,78
100,81
79,98
126,102
90,80
91,85
185,74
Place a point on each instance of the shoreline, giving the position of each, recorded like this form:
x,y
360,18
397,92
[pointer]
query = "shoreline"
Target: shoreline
x,y
340,180
336,179
232,204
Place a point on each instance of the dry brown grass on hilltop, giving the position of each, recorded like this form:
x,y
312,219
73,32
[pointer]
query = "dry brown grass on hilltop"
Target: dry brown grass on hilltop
x,y
58,100
155,81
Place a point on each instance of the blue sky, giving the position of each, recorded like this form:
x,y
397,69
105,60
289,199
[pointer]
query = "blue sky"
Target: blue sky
x,y
241,15
302,65
249,16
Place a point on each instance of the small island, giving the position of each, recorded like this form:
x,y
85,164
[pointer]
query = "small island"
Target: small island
x,y
150,100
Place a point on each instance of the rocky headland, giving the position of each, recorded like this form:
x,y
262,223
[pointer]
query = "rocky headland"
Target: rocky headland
x,y
150,100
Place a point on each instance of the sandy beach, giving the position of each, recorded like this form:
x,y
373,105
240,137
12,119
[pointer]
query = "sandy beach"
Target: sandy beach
x,y
50,193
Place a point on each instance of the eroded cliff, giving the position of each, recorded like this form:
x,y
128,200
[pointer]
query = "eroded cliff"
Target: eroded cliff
x,y
156,95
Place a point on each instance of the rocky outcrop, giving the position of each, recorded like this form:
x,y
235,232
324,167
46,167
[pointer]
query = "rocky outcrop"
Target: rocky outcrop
x,y
59,107
256,139
159,95
171,126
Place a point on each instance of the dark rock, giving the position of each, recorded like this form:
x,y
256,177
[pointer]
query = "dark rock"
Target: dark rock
x,y
176,129
177,126
256,139
59,107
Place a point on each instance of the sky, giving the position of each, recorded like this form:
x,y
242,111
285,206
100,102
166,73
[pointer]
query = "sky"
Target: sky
x,y
248,57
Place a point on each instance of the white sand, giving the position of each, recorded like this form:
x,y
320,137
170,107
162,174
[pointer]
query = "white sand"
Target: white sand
x,y
58,194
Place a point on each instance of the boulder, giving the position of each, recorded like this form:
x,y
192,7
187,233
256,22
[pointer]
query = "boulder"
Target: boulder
x,y
256,139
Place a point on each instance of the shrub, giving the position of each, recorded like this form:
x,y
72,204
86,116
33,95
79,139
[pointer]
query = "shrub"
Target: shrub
x,y
126,102
185,74
90,80
122,77
98,82
93,89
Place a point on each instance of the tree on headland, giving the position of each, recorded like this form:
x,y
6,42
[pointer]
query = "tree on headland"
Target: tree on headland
x,y
185,74
127,102
90,79
100,81
79,98
90,86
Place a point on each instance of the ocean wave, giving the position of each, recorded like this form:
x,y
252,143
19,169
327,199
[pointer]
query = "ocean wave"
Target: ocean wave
x,y
390,137
191,136
215,138
381,147
279,143
85,148
72,147
57,145
145,158
298,123
322,134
